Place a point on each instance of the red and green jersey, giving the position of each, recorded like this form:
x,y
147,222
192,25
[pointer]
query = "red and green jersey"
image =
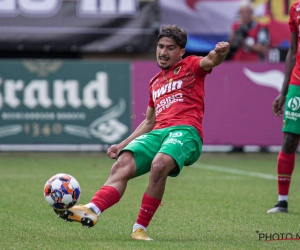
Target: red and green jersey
x,y
294,23
177,94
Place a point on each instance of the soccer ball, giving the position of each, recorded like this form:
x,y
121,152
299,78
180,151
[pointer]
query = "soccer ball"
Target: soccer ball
x,y
62,191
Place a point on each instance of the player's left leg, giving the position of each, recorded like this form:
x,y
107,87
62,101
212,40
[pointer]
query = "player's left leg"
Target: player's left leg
x,y
162,166
182,146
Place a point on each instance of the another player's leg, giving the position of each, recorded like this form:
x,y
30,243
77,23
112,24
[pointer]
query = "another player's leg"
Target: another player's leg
x,y
161,167
108,195
285,167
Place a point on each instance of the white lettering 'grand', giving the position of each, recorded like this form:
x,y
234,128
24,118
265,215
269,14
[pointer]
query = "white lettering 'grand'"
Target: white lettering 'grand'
x,y
99,87
36,93
60,88
167,88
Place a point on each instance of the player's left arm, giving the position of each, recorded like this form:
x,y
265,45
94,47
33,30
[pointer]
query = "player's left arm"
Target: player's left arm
x,y
215,56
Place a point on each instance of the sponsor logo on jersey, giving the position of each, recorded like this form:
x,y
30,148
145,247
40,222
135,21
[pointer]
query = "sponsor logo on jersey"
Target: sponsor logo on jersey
x,y
167,88
292,115
177,134
294,103
166,103
173,141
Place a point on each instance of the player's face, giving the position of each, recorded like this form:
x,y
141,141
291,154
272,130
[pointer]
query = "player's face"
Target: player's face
x,y
168,53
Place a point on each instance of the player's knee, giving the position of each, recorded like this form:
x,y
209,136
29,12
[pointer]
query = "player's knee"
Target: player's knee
x,y
158,171
290,142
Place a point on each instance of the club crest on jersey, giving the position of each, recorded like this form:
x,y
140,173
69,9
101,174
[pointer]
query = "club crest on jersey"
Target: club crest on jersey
x,y
176,71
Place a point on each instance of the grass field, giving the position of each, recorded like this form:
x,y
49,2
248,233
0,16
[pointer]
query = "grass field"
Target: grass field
x,y
218,203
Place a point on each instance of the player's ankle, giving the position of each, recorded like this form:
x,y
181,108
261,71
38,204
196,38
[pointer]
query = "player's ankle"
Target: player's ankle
x,y
136,226
94,208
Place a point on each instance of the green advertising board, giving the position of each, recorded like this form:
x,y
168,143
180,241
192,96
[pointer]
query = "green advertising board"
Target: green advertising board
x,y
64,104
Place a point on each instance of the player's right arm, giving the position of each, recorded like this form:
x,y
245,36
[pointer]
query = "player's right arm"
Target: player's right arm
x,y
290,62
144,127
215,56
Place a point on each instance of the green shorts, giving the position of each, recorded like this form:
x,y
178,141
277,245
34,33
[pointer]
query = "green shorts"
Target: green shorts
x,y
291,119
182,143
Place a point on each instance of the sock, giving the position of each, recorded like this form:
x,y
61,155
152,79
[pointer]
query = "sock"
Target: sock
x,y
105,197
136,226
93,207
282,197
285,167
147,210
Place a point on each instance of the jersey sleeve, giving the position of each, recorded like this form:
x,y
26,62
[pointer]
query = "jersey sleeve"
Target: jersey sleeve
x,y
194,63
292,19
150,101
196,66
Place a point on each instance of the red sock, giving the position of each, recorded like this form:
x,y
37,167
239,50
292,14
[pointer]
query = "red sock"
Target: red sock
x,y
106,197
147,210
285,167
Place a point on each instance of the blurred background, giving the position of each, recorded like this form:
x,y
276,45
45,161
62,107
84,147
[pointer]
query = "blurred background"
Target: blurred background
x,y
74,74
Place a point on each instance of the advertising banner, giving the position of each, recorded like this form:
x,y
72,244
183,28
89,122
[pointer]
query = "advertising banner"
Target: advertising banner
x,y
209,21
238,102
58,105
77,25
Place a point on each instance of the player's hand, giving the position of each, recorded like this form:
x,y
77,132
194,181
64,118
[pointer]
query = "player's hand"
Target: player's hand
x,y
222,48
278,104
113,151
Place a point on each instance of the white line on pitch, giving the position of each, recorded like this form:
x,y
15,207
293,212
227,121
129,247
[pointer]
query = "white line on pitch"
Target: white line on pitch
x,y
234,171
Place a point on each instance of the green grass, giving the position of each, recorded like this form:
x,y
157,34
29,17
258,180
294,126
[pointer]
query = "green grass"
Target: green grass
x,y
201,209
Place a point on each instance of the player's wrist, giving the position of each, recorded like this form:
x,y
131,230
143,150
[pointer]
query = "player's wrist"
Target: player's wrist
x,y
122,144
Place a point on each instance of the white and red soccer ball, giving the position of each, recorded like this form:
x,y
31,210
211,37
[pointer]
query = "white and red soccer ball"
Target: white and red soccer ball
x,y
62,191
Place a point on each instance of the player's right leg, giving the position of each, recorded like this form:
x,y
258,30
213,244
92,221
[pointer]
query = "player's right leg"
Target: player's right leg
x,y
109,194
285,168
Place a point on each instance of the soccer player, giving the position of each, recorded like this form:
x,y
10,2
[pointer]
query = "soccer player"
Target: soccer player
x,y
290,96
169,138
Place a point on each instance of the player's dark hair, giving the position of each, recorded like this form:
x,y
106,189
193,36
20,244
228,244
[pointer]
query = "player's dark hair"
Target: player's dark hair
x,y
177,34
